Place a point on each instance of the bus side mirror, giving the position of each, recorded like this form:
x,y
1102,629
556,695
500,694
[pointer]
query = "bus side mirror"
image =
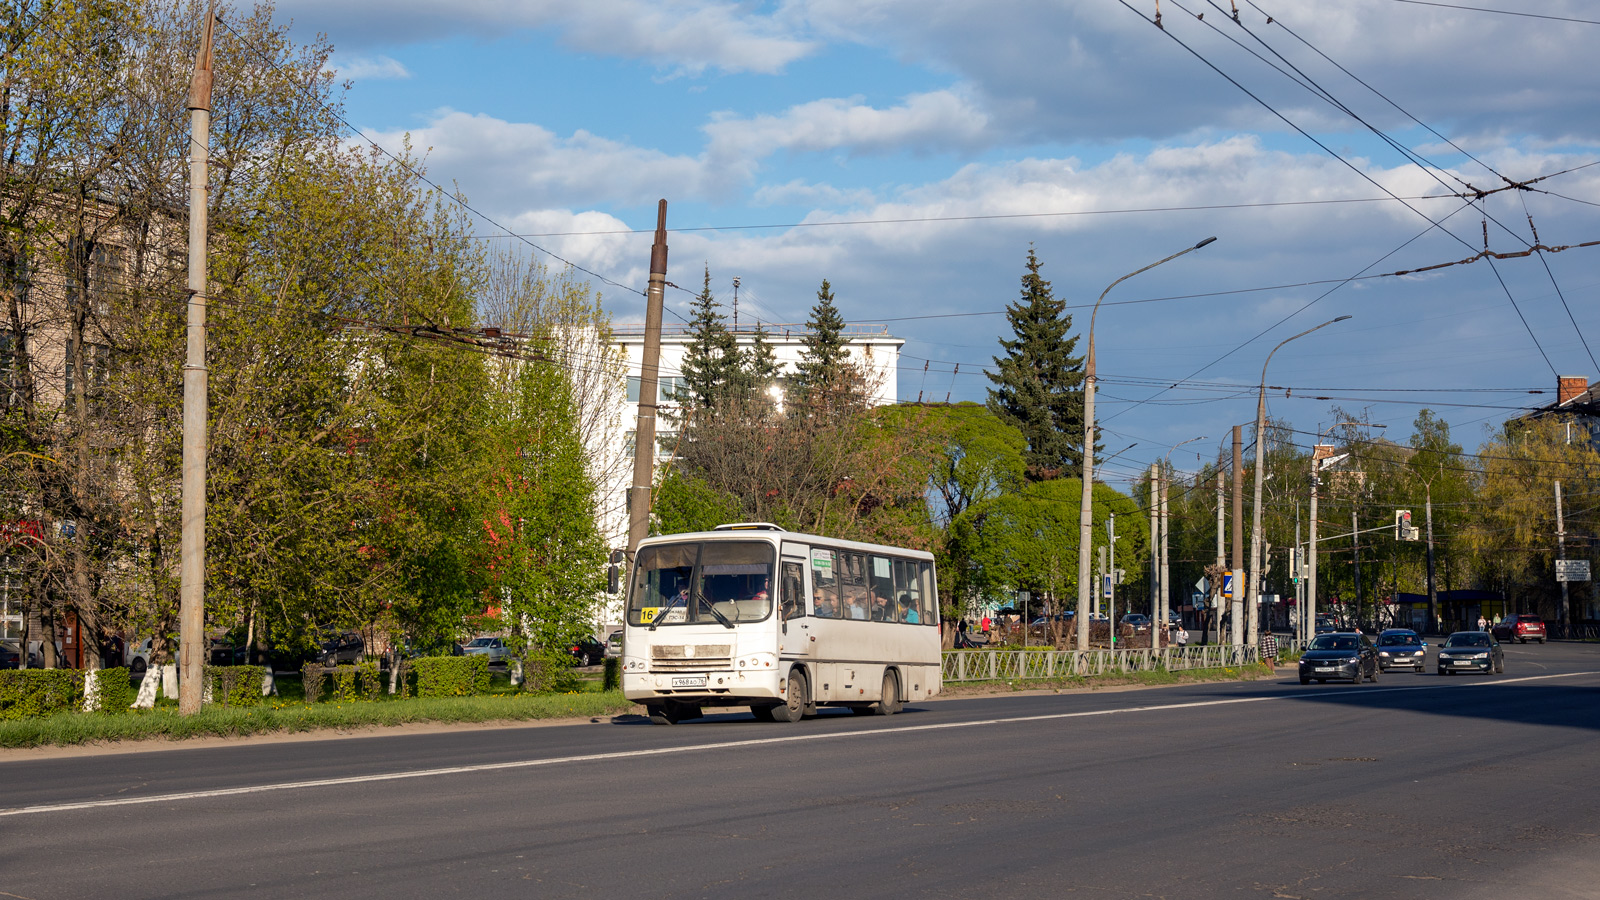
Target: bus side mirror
x,y
613,573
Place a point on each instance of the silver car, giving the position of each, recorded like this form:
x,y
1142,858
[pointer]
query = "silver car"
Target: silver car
x,y
492,647
614,645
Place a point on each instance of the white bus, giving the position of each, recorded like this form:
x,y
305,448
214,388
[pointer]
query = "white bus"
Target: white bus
x,y
781,622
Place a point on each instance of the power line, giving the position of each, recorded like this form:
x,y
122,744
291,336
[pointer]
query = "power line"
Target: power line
x,y
1502,12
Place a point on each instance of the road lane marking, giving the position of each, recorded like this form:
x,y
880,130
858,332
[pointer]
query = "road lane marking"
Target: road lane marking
x,y
721,745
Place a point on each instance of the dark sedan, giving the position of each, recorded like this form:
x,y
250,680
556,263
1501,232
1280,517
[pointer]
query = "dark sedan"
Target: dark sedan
x,y
1401,648
1341,656
1471,651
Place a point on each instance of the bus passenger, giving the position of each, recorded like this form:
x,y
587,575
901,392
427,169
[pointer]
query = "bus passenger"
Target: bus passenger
x,y
825,606
908,610
858,604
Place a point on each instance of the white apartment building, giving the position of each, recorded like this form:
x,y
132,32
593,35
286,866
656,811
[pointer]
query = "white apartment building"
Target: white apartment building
x,y
870,346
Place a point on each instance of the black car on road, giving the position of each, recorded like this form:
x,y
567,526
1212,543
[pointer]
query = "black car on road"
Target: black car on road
x,y
1471,651
1401,648
1342,656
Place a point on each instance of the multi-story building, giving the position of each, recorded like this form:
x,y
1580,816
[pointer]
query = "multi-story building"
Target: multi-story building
x,y
871,347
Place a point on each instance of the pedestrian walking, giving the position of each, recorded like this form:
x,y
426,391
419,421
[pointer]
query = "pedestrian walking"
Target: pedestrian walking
x,y
1482,623
1269,645
1182,637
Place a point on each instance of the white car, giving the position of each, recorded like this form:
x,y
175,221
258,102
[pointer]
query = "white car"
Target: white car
x,y
614,645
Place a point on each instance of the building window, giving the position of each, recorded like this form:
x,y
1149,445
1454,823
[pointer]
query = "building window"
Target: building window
x,y
96,369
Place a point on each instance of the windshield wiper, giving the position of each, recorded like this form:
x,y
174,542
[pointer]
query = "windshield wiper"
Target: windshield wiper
x,y
662,614
711,606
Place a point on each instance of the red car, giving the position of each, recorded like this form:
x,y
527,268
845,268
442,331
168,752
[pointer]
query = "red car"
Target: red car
x,y
1521,628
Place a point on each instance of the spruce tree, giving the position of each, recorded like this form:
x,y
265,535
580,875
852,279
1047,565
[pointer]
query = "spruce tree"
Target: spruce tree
x,y
824,368
712,361
1038,382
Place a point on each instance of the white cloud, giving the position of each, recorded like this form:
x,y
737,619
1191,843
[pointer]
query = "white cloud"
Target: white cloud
x,y
511,166
938,120
685,35
369,67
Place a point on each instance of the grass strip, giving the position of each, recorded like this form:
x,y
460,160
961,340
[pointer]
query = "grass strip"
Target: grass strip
x,y
68,729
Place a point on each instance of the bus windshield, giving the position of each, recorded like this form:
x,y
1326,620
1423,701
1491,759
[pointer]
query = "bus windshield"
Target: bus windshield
x,y
711,582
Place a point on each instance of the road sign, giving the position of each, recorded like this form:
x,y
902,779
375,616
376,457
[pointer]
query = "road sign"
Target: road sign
x,y
1107,590
1572,570
1227,585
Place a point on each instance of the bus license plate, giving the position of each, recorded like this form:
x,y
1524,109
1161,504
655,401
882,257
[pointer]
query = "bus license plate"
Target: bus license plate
x,y
689,681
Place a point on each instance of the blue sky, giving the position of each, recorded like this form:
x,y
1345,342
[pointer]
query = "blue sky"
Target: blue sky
x,y
1057,124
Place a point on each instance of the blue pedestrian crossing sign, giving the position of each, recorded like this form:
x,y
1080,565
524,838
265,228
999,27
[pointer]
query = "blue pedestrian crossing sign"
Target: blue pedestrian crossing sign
x,y
1227,585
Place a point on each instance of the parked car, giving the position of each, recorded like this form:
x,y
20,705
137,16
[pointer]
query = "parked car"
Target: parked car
x,y
614,645
492,647
1401,648
587,652
10,655
1139,622
1521,628
1340,655
226,654
1471,651
341,649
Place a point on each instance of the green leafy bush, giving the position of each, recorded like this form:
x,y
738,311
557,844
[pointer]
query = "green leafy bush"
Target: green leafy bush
x,y
451,676
370,675
113,692
39,692
344,683
236,685
611,679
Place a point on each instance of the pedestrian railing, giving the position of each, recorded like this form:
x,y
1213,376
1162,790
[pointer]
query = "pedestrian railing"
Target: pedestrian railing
x,y
1021,665
1574,632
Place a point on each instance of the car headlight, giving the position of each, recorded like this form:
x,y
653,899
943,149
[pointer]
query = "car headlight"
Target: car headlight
x,y
1480,656
1383,653
1352,659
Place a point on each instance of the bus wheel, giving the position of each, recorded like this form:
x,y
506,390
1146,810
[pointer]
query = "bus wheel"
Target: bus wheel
x,y
663,714
763,713
890,702
794,706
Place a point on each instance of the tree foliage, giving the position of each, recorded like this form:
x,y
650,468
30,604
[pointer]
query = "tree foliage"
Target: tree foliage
x,y
1038,382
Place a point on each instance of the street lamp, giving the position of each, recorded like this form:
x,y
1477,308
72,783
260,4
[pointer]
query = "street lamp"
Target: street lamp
x,y
1084,517
1252,602
1158,610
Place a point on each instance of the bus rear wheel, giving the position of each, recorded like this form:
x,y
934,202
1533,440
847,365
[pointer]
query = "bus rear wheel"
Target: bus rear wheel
x,y
889,704
795,702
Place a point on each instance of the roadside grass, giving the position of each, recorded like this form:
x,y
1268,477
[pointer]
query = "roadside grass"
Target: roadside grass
x,y
289,714
1152,678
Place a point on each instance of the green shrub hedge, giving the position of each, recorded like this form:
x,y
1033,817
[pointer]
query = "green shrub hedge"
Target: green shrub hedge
x,y
39,692
236,685
113,693
451,676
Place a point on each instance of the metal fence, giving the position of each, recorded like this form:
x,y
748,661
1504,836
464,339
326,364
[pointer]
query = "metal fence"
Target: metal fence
x,y
1016,665
1560,632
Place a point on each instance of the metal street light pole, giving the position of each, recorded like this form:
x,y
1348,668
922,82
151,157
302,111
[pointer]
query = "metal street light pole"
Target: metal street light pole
x,y
1085,526
1251,594
1158,610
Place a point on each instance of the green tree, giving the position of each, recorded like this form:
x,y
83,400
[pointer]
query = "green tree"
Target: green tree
x,y
712,361
1038,382
825,377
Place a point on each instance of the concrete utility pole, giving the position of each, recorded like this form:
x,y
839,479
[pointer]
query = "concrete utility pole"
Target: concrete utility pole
x,y
1433,590
1236,607
1163,590
1155,538
1355,542
1085,509
192,644
1310,620
1222,558
644,435
1561,550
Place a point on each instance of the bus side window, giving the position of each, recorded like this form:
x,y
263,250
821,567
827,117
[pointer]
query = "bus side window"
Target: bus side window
x,y
824,584
794,599
929,601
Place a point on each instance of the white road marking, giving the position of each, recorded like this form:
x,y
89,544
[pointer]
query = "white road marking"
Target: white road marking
x,y
721,745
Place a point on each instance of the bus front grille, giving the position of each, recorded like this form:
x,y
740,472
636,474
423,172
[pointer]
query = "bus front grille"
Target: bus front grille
x,y
690,657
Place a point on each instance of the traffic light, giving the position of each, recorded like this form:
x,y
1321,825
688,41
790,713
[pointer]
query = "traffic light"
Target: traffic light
x,y
1402,525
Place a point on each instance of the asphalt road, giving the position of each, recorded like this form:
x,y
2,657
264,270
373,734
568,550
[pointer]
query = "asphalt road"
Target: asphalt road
x,y
1415,787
